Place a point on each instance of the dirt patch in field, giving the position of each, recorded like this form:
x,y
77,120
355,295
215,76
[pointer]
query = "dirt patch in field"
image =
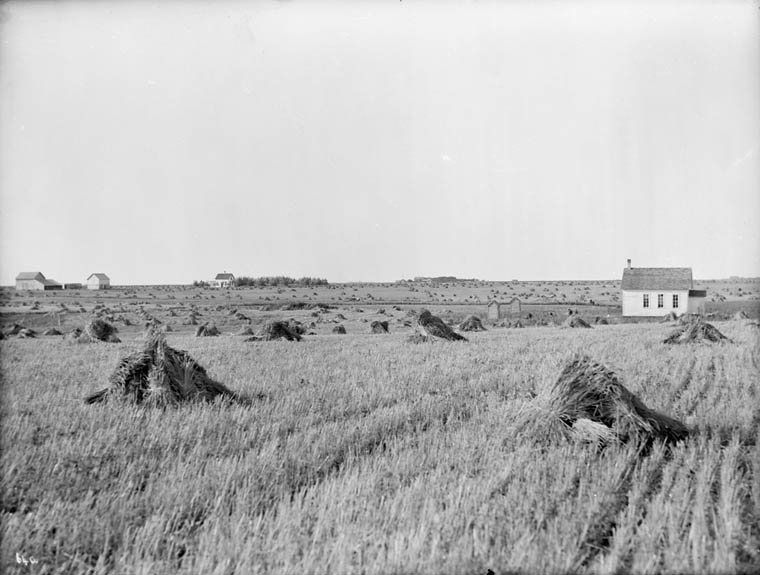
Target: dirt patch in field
x,y
160,375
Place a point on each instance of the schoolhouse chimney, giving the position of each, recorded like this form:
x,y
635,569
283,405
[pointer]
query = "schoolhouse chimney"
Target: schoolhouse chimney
x,y
629,263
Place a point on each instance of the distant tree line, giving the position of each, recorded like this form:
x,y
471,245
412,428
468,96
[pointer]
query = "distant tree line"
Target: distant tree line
x,y
272,281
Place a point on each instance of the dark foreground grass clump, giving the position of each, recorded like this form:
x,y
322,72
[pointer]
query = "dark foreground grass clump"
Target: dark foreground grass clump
x,y
587,402
472,323
696,330
160,375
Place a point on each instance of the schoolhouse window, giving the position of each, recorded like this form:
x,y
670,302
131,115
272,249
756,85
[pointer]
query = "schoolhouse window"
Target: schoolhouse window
x,y
675,300
660,300
646,300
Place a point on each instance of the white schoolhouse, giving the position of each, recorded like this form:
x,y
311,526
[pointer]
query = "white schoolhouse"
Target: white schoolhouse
x,y
655,292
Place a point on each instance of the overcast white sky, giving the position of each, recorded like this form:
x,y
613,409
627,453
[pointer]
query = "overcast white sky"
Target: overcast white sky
x,y
162,142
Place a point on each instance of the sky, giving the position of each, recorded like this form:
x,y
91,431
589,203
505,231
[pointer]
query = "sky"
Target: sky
x,y
164,142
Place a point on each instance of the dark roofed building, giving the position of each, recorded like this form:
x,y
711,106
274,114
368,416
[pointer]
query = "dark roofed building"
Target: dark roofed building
x,y
657,292
657,278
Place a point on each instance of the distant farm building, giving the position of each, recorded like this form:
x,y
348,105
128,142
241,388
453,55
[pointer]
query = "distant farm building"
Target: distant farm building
x,y
655,292
498,310
72,286
98,281
223,280
35,281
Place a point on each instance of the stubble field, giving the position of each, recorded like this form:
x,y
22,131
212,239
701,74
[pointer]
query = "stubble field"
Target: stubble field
x,y
367,454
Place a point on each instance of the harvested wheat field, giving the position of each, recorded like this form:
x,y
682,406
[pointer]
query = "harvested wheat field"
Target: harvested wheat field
x,y
367,454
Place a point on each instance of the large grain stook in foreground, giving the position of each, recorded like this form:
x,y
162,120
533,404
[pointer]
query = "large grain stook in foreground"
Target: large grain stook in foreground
x,y
161,375
587,402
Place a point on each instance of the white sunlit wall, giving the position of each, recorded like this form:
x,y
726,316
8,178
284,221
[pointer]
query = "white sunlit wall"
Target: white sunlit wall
x,y
643,303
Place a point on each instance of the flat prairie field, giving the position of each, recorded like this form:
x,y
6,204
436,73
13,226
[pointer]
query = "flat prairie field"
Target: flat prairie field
x,y
369,454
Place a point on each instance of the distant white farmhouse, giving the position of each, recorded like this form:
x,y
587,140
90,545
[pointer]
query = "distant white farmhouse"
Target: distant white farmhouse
x,y
223,280
35,281
98,281
654,292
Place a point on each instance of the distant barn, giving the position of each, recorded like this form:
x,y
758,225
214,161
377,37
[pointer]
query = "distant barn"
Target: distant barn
x,y
98,281
498,310
35,281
